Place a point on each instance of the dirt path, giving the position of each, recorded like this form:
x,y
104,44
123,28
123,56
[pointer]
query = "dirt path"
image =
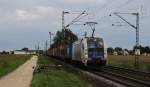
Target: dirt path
x,y
21,77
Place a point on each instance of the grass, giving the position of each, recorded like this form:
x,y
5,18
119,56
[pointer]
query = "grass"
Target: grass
x,y
57,78
9,63
128,61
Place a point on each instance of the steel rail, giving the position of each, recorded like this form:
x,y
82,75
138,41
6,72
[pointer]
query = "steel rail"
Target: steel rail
x,y
137,72
127,81
125,76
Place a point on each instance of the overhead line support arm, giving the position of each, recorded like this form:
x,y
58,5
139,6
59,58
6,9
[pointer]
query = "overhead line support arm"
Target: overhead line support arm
x,y
125,21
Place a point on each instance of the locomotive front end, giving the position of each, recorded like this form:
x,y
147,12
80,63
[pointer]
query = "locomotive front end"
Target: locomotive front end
x,y
96,51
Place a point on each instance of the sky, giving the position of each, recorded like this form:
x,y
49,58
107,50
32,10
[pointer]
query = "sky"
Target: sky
x,y
24,23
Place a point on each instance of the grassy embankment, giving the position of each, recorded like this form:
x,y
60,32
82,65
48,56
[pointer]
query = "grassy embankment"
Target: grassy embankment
x,y
57,78
128,61
9,63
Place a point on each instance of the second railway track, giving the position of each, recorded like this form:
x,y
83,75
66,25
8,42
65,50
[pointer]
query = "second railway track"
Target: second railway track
x,y
127,77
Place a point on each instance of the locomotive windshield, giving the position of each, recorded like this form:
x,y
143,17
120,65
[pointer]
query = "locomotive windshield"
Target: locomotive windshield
x,y
95,48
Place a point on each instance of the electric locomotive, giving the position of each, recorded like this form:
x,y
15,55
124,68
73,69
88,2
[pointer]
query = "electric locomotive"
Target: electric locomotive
x,y
89,51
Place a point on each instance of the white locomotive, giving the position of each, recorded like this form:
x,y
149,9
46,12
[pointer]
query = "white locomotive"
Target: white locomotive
x,y
89,50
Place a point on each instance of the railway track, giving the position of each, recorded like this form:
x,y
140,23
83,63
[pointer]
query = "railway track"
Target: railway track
x,y
123,76
127,77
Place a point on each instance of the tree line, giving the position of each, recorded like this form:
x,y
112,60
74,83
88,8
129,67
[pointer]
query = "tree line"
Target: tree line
x,y
119,50
4,52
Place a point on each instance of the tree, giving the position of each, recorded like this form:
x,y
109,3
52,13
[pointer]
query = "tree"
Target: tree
x,y
145,49
4,52
126,50
64,37
119,50
110,50
130,52
25,49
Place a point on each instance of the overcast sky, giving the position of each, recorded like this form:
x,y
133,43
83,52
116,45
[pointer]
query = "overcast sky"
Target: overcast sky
x,y
23,23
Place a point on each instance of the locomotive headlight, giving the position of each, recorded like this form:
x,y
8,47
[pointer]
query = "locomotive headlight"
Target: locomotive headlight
x,y
101,43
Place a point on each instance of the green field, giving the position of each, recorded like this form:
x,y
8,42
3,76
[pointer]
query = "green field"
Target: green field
x,y
128,61
57,78
9,63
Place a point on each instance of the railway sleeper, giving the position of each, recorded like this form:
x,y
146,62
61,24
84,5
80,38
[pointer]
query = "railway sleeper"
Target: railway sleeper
x,y
129,74
127,80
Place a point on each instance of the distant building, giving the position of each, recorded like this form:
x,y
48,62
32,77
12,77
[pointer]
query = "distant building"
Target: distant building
x,y
125,53
24,52
146,54
115,53
121,53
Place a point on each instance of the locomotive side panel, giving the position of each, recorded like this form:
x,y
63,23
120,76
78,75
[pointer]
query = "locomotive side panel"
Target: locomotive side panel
x,y
76,51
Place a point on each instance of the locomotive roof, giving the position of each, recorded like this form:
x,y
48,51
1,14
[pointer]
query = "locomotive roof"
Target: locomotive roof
x,y
80,39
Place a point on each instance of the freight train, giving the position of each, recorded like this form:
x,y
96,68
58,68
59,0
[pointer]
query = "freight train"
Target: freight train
x,y
87,51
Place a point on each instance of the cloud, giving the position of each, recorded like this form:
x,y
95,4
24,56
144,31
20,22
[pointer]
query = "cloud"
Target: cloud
x,y
22,15
79,1
84,1
35,14
46,11
101,1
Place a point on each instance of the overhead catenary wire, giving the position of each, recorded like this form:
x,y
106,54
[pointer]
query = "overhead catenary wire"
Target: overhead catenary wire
x,y
116,8
76,19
